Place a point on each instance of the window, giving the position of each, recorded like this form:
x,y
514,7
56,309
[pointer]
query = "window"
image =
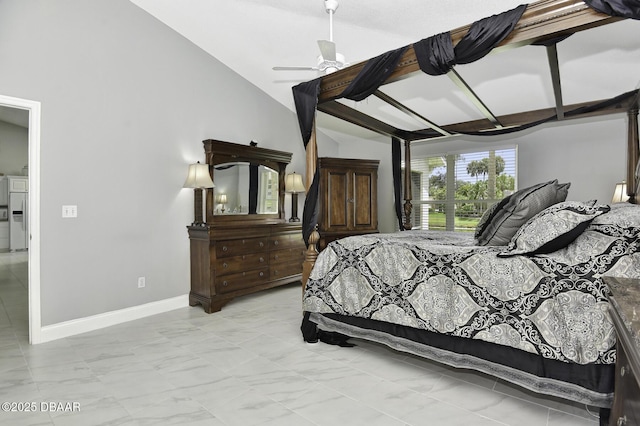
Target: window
x,y
452,191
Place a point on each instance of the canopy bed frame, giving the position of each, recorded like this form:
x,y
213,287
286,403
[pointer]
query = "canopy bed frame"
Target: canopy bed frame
x,y
543,22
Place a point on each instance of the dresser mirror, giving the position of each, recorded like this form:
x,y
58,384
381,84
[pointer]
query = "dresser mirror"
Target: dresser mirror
x,y
244,188
249,182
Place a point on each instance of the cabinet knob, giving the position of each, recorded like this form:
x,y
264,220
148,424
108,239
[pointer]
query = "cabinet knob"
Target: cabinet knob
x,y
224,248
224,283
275,257
224,265
262,274
621,421
261,259
275,243
261,244
623,371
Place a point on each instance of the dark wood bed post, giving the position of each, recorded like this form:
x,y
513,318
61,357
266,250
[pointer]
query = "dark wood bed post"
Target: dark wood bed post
x,y
407,186
311,254
632,154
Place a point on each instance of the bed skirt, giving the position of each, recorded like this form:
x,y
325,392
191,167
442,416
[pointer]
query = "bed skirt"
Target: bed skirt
x,y
590,384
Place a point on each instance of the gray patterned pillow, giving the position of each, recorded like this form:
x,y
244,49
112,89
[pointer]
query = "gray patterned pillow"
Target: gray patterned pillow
x,y
520,207
553,228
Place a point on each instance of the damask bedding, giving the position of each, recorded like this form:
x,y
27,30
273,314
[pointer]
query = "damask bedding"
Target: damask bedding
x,y
534,316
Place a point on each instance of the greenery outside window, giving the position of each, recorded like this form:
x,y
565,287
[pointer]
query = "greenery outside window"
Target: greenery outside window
x,y
452,191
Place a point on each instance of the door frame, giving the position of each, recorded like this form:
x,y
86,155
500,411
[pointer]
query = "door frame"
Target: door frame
x,y
33,215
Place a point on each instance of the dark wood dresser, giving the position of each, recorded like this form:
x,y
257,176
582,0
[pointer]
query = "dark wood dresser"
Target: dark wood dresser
x,y
625,300
348,198
231,261
246,245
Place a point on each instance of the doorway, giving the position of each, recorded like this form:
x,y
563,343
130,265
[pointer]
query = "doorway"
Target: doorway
x,y
33,108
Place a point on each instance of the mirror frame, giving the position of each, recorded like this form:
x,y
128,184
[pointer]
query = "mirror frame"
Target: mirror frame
x,y
220,152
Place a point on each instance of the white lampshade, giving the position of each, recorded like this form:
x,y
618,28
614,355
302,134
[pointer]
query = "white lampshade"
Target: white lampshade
x,y
223,198
293,183
198,176
620,193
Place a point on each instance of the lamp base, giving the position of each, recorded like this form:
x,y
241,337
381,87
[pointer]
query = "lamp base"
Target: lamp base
x,y
294,208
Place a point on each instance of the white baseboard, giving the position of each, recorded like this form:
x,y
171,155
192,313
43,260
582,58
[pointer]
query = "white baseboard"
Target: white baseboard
x,y
107,319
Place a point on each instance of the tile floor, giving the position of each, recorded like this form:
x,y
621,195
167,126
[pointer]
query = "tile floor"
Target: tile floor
x,y
246,365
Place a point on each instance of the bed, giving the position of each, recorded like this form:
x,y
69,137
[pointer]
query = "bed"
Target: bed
x,y
531,309
535,319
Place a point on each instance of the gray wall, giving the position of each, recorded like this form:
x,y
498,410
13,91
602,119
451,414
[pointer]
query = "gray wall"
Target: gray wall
x,y
126,103
14,148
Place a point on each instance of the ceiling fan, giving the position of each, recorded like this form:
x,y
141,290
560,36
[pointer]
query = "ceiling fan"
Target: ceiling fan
x,y
328,60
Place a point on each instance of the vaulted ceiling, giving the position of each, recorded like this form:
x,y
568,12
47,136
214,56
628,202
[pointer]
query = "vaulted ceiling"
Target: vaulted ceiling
x,y
252,36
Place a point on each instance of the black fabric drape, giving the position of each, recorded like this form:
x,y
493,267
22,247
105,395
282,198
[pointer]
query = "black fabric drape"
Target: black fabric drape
x,y
622,8
486,34
305,97
582,110
430,133
372,75
436,55
310,212
396,155
253,188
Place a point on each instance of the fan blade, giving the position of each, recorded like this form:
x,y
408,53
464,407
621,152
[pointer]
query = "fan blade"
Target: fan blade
x,y
295,68
327,49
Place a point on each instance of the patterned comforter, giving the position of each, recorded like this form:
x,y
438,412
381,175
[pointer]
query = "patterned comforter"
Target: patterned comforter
x,y
553,305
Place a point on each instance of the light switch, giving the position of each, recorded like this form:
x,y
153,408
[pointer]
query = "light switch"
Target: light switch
x,y
69,211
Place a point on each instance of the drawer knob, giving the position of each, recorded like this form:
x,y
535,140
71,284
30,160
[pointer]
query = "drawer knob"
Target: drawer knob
x,y
262,274
623,371
224,248
275,257
261,244
224,283
622,421
261,259
224,265
275,243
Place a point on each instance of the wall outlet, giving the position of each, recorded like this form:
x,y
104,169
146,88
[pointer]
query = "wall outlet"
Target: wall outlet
x,y
141,282
69,211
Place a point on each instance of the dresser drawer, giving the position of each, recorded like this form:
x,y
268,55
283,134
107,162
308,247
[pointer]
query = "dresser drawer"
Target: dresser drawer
x,y
295,255
242,280
626,405
229,248
282,241
285,269
230,265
